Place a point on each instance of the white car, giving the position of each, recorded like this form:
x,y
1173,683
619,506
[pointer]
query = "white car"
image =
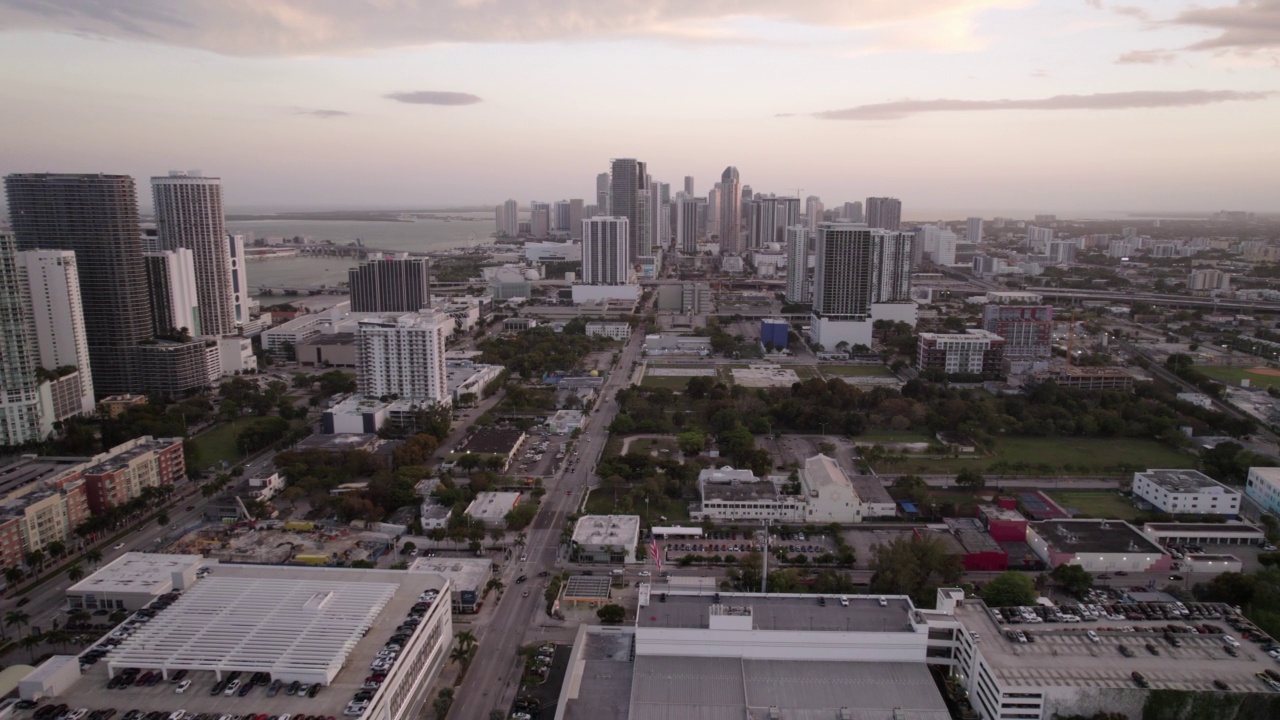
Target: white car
x,y
1230,641
118,546
182,687
1093,636
644,573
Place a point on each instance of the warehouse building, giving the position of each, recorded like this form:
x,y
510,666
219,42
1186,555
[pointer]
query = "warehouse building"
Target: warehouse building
x,y
1180,492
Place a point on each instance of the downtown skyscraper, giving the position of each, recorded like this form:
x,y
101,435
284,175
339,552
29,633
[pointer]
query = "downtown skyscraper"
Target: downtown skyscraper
x,y
605,242
798,290
390,283
96,216
629,198
884,213
861,274
730,211
189,215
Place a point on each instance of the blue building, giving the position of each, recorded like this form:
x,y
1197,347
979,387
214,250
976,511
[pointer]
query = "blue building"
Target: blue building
x,y
773,333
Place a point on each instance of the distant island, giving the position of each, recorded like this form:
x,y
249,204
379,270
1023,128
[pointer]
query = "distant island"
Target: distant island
x,y
358,215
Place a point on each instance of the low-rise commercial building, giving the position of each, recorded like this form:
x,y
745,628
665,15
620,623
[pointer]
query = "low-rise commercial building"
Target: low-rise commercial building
x,y
1228,533
328,350
826,495
1097,546
467,579
1185,492
491,508
613,330
133,580
1262,485
606,539
500,442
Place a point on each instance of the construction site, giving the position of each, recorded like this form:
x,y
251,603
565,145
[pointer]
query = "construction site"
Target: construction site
x,y
277,543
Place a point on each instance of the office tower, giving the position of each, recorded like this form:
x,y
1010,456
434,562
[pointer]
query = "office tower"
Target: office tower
x,y
239,279
713,210
560,216
1208,279
797,264
603,189
1027,329
1064,251
852,212
96,216
688,186
659,216
510,219
629,198
539,219
936,243
390,283
404,356
1038,238
689,212
730,211
813,212
604,251
576,214
884,213
175,294
21,417
973,230
861,274
747,194
768,217
499,227
189,215
53,286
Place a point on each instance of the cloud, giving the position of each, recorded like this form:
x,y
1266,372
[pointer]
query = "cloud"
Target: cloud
x,y
1246,27
1147,57
433,97
322,113
323,27
1099,101
1039,73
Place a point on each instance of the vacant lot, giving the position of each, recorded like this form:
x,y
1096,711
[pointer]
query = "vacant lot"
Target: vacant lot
x,y
214,446
1096,504
1051,456
1233,376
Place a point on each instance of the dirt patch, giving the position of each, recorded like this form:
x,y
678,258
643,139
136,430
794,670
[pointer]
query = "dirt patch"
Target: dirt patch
x,y
1270,372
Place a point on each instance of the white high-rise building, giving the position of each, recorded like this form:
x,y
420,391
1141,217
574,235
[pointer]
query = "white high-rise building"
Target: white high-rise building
x,y
689,212
53,285
813,212
510,218
1038,238
938,244
539,219
403,355
713,210
22,417
605,243
798,290
973,230
189,215
239,279
861,275
172,284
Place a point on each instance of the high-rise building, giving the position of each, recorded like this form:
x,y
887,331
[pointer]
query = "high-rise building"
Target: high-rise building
x,y
972,352
604,251
884,213
713,210
973,230
813,209
730,211
1064,252
852,212
240,301
936,243
768,217
175,300
22,419
1027,329
53,285
96,216
798,290
1038,238
861,274
629,198
560,216
390,283
189,215
688,185
539,219
404,356
603,190
689,212
576,214
510,219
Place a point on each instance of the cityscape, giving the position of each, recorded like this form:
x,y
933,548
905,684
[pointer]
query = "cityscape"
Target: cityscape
x,y
965,407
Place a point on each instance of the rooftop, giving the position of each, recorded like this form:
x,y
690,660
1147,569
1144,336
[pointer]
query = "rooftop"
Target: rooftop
x,y
111,460
972,536
1226,527
30,469
781,612
995,512
1096,536
728,484
492,506
607,530
1185,481
824,474
463,573
870,489
1271,474
340,442
337,338
137,572
494,440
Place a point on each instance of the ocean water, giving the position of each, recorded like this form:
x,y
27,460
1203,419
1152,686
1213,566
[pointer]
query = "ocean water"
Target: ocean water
x,y
420,236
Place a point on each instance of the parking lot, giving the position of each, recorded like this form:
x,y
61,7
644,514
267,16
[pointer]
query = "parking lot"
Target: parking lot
x,y
727,543
540,454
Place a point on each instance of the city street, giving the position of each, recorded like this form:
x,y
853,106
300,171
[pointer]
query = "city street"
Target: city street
x,y
491,683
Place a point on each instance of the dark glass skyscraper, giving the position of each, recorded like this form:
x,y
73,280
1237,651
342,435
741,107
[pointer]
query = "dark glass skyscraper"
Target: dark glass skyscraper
x,y
629,198
390,284
96,216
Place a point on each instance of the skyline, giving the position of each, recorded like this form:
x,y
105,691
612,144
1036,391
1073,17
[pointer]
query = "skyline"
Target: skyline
x,y
999,106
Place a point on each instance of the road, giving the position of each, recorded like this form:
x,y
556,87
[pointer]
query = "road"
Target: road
x,y
1040,483
493,678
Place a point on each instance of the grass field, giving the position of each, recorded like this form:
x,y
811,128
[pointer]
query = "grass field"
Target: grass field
x,y
1233,376
218,444
665,381
1052,456
603,502
856,370
1096,504
892,437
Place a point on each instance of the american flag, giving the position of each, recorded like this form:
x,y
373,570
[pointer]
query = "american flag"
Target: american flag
x,y
653,550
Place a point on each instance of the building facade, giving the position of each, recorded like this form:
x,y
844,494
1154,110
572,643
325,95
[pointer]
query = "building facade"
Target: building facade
x,y
973,352
22,419
1263,487
1185,491
189,215
629,198
884,213
604,251
730,218
53,285
404,356
390,283
1027,329
171,283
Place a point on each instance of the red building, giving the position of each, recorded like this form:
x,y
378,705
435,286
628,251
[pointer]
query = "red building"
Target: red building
x,y
116,477
981,552
1003,522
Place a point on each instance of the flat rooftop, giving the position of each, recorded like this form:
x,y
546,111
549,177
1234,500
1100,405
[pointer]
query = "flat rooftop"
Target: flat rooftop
x,y
740,491
1229,527
492,506
137,572
870,489
340,442
263,618
498,441
28,470
1096,536
337,338
607,530
463,573
1185,481
995,512
781,612
1063,655
713,688
972,536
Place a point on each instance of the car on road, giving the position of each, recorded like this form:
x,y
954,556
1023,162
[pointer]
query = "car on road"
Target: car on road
x,y
644,573
521,579
1093,636
118,546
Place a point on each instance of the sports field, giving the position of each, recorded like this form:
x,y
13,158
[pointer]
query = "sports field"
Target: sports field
x,y
1106,504
1257,376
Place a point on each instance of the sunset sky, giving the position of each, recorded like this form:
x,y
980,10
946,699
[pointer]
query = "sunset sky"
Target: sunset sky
x,y
955,106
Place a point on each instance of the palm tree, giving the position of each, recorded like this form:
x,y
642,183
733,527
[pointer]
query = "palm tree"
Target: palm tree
x,y
57,548
75,572
30,643
94,556
16,617
35,558
79,616
466,640
13,575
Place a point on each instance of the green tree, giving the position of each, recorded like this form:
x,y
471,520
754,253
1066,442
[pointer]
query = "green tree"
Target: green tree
x,y
75,572
969,479
408,549
692,442
611,614
913,488
1009,589
915,566
1072,578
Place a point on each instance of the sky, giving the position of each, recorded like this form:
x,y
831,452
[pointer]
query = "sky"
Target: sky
x,y
1013,107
